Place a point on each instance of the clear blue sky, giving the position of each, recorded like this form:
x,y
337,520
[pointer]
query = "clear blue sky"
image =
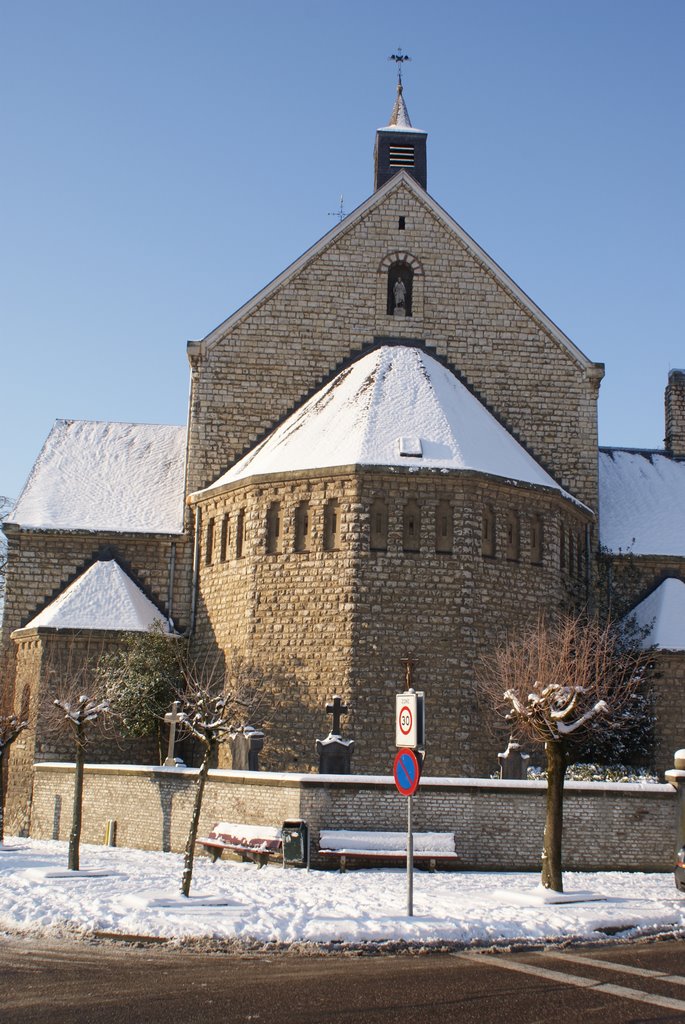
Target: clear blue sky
x,y
164,160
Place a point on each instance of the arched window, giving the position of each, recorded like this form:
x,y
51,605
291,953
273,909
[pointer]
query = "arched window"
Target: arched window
x,y
536,540
444,528
239,533
378,537
223,538
209,542
571,552
400,288
488,532
513,537
411,527
302,529
562,547
331,525
273,528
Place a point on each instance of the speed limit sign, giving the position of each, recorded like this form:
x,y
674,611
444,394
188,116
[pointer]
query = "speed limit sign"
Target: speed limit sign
x,y
406,720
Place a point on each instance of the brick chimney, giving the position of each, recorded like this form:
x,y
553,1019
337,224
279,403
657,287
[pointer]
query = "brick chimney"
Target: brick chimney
x,y
675,414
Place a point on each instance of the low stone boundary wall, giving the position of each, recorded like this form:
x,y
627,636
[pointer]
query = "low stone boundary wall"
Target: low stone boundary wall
x,y
498,824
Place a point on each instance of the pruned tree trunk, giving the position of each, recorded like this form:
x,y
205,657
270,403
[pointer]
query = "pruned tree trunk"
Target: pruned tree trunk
x,y
554,819
75,834
194,824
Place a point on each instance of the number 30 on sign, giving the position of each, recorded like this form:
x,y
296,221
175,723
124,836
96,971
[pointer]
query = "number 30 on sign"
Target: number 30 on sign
x,y
406,719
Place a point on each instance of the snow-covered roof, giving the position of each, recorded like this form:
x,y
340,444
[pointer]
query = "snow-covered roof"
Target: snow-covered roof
x,y
664,611
399,118
641,502
395,398
103,597
121,477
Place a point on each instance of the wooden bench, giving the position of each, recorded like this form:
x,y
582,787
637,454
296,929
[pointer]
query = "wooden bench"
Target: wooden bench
x,y
434,849
258,843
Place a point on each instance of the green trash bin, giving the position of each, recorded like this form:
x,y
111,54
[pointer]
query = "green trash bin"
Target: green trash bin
x,y
295,833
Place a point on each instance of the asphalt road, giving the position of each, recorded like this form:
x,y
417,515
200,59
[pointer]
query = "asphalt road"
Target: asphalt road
x,y
110,983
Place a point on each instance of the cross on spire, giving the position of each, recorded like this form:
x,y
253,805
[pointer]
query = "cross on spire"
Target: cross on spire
x,y
337,709
340,212
399,59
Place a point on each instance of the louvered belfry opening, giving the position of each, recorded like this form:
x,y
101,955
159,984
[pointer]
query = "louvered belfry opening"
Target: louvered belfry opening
x,y
401,156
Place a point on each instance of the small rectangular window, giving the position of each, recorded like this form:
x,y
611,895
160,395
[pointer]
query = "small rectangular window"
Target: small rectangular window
x,y
401,224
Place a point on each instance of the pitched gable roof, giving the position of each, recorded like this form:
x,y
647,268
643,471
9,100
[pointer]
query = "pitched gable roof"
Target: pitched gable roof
x,y
115,477
663,612
395,406
398,181
103,597
641,502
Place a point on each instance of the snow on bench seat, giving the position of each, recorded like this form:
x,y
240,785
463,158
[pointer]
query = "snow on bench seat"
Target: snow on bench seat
x,y
252,842
347,844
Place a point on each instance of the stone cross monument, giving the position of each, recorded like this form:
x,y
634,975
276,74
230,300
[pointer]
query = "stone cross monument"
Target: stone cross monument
x,y
173,717
335,753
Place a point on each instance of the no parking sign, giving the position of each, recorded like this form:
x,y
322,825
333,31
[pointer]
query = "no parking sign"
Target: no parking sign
x,y
406,772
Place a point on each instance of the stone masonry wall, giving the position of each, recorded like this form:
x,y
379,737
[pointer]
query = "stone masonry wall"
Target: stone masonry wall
x,y
669,688
49,663
42,562
321,622
497,825
270,359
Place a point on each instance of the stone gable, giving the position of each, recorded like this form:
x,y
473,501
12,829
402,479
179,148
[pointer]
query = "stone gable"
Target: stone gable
x,y
334,306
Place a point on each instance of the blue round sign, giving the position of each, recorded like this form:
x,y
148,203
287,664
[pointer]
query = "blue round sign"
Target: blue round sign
x,y
406,771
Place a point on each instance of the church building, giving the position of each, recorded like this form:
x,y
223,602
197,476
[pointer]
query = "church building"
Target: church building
x,y
390,452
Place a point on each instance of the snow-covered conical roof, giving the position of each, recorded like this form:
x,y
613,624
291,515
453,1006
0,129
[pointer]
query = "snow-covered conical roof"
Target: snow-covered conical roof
x,y
663,611
395,399
400,115
103,597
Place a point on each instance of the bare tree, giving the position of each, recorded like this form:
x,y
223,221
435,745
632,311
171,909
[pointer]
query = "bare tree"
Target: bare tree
x,y
76,706
80,713
560,680
10,727
209,717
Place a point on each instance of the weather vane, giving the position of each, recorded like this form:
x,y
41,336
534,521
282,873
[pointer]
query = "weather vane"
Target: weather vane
x,y
340,212
399,59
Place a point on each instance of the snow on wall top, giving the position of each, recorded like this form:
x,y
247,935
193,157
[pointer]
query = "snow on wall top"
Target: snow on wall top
x,y
664,611
641,503
387,396
122,477
103,597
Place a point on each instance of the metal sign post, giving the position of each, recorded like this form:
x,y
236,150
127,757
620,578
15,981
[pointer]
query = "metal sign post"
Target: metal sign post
x,y
407,773
410,737
410,861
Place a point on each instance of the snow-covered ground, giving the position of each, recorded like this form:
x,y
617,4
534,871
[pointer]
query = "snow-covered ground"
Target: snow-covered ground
x,y
132,892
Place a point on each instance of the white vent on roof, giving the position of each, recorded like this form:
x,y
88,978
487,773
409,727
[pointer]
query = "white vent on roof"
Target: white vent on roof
x,y
410,447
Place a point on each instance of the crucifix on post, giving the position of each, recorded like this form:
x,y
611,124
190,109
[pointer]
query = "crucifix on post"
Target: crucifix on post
x,y
173,717
337,709
409,664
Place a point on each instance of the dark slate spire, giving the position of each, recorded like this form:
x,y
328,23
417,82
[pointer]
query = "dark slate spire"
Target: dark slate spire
x,y
400,146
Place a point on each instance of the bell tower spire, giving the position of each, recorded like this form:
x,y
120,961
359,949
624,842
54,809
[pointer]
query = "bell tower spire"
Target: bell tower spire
x,y
399,145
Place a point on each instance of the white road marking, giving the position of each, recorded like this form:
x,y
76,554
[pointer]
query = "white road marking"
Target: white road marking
x,y
609,965
574,979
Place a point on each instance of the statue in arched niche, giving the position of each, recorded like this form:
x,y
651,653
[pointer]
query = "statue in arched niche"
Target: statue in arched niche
x,y
400,280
